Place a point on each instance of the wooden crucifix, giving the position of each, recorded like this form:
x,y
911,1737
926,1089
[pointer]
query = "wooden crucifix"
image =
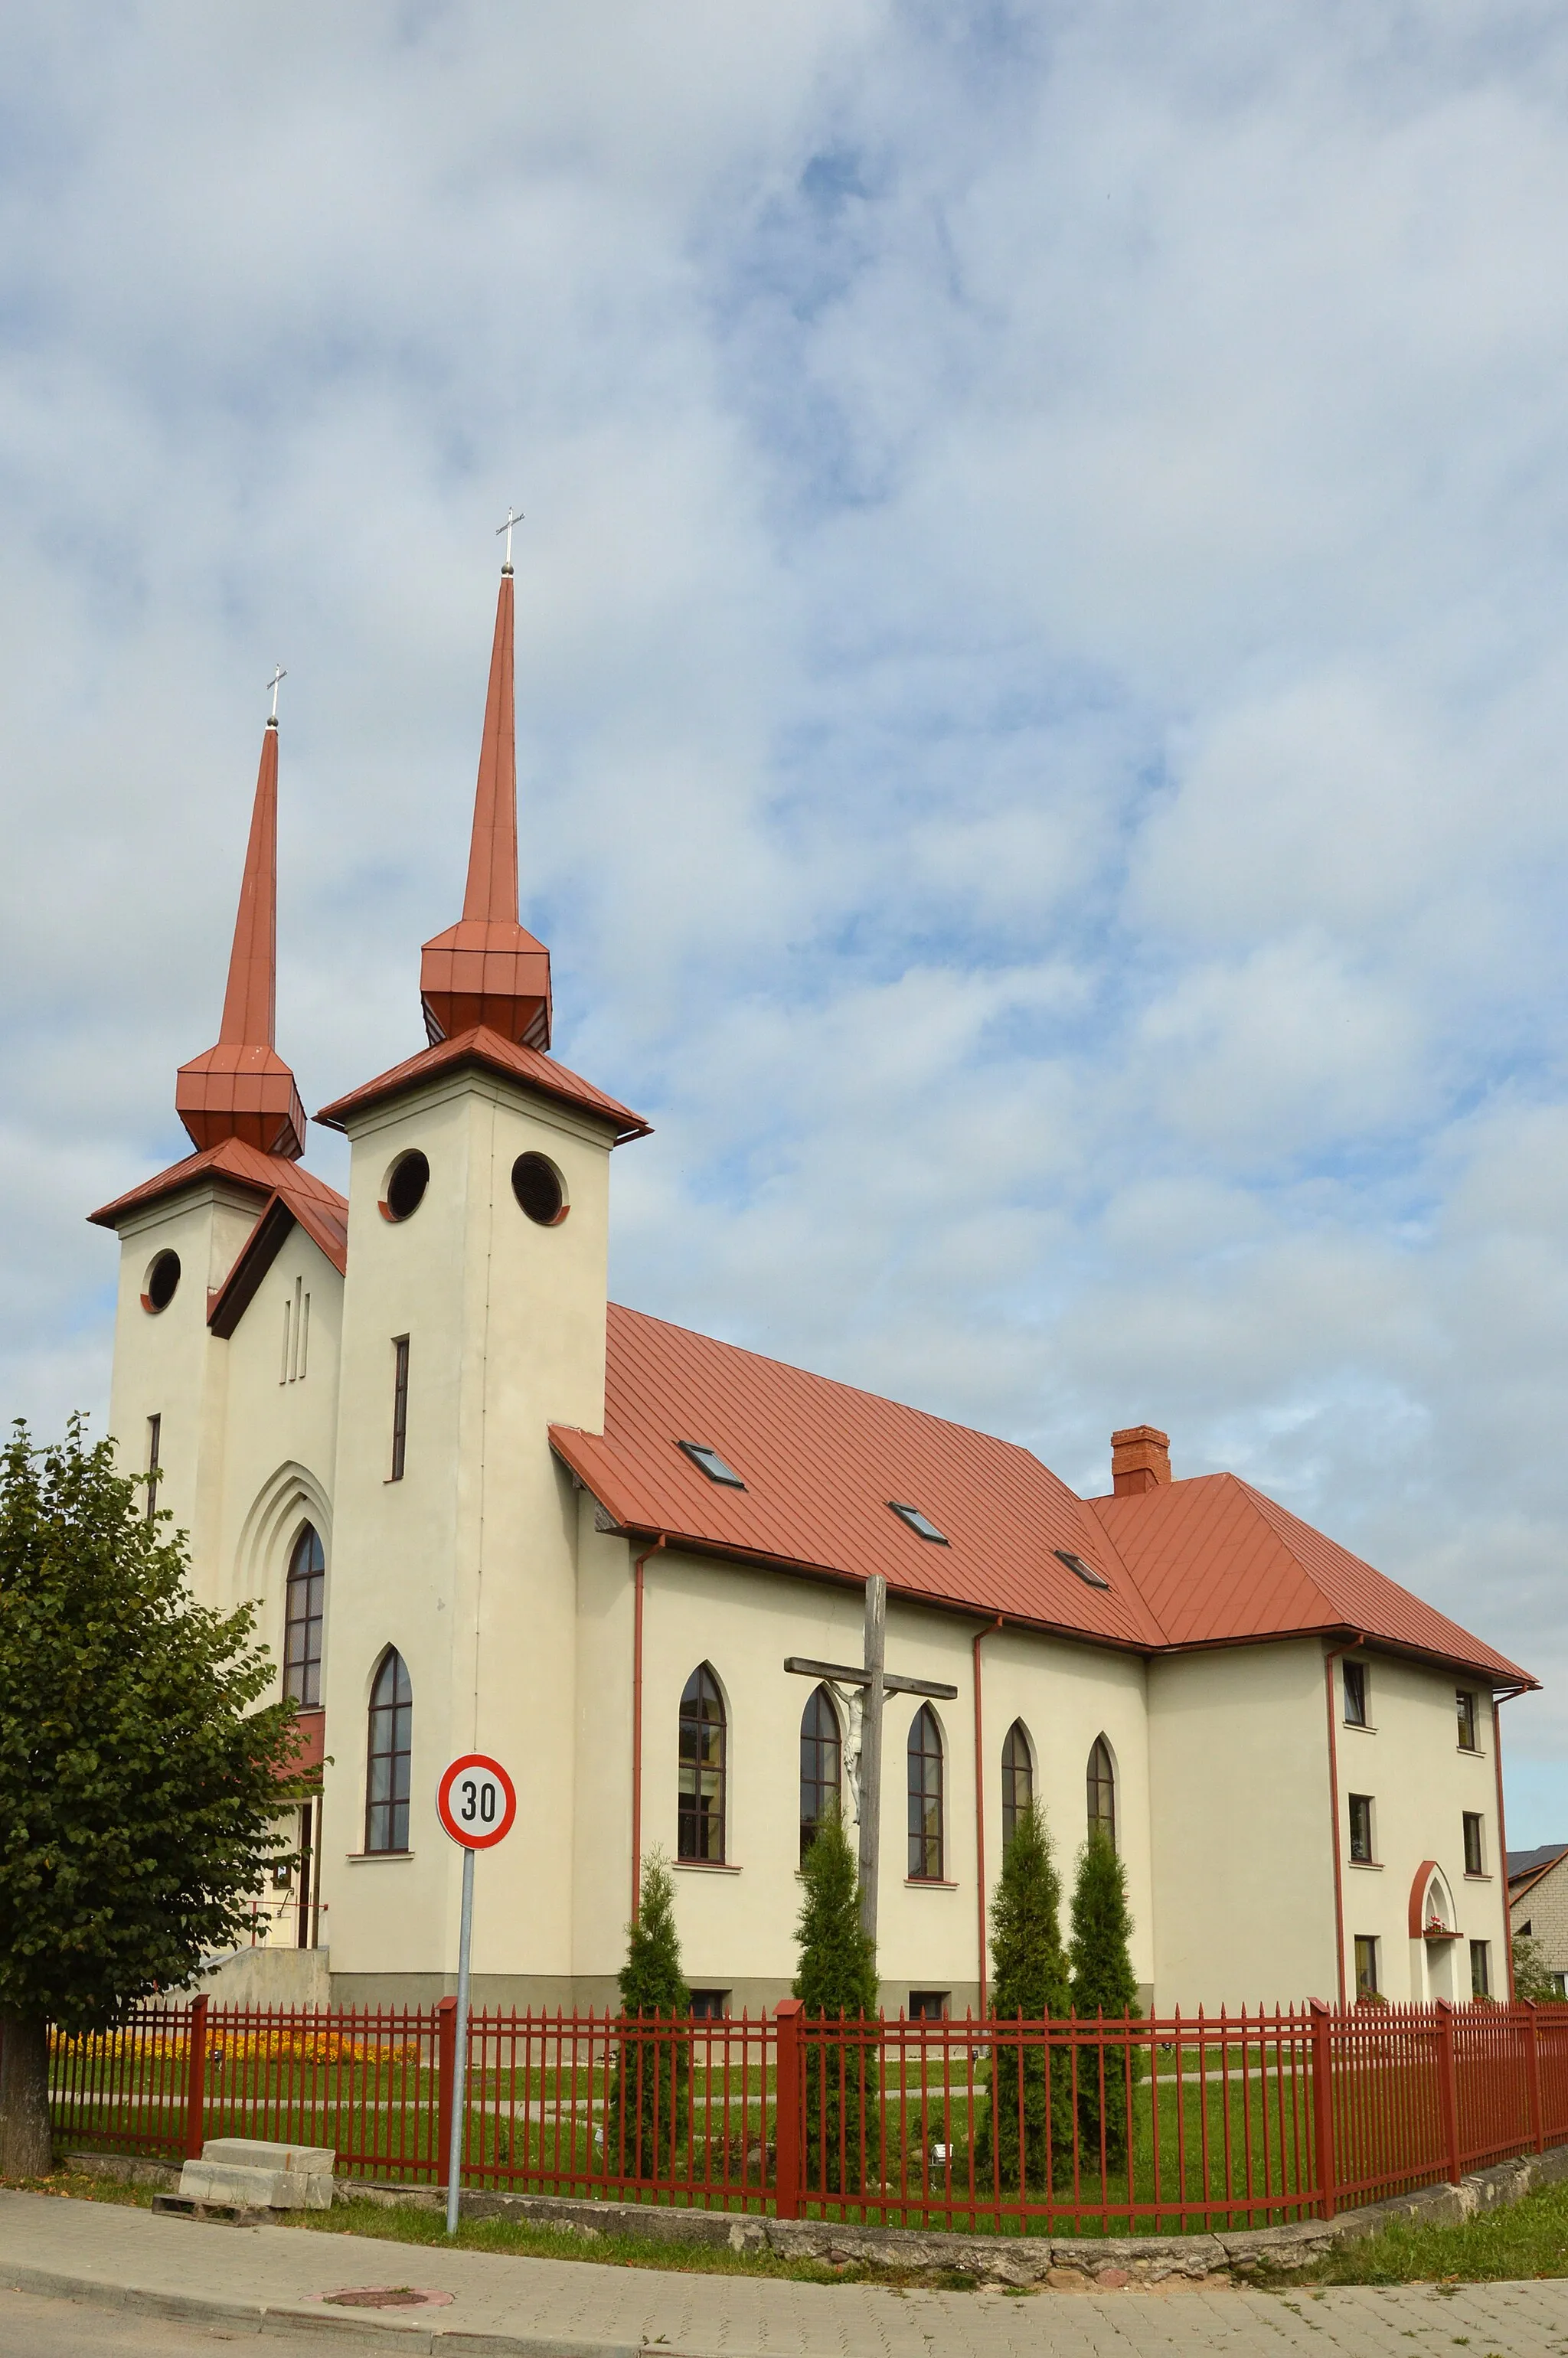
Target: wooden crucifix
x,y
870,1680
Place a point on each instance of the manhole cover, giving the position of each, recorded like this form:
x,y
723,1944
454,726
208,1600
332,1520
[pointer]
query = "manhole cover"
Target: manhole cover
x,y
385,2296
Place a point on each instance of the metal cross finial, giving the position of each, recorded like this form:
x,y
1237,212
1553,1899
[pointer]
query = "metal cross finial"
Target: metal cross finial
x,y
513,516
279,673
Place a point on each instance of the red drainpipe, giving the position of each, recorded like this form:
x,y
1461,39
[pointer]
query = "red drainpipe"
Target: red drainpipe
x,y
1498,1703
637,1725
1330,1658
980,1809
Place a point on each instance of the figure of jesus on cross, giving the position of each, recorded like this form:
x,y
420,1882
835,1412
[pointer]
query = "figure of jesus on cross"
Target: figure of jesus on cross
x,y
866,1683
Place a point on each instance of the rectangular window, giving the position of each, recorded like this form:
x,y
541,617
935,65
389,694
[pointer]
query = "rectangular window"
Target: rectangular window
x,y
1356,1694
155,1443
1465,1708
1480,1969
1366,1965
709,2005
1473,1860
929,2005
399,1405
1361,1828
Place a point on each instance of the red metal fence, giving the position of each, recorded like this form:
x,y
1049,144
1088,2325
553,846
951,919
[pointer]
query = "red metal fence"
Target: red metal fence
x,y
1177,2124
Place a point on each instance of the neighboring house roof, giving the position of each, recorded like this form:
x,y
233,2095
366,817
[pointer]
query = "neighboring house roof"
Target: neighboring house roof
x,y
488,1049
1202,1563
318,1208
1218,1561
1527,1869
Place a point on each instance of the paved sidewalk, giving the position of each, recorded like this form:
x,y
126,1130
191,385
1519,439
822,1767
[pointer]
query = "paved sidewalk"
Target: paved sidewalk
x,y
257,2279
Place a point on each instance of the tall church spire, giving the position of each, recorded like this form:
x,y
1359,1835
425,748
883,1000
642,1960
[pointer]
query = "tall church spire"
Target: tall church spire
x,y
242,1088
485,969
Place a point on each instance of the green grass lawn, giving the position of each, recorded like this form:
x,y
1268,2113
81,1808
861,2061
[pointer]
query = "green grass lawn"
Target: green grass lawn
x,y
1515,2241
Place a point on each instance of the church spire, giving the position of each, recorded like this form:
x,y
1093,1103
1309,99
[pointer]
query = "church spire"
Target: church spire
x,y
485,969
242,1088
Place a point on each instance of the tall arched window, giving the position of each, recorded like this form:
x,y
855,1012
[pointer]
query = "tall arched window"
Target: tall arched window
x,y
821,1766
925,1798
1101,1781
699,1826
302,1615
1017,1779
390,1755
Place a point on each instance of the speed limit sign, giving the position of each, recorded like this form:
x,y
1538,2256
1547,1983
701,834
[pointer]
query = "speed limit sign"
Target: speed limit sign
x,y
476,1802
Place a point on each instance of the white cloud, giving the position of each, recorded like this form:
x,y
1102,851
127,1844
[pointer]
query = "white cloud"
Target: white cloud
x,y
1040,679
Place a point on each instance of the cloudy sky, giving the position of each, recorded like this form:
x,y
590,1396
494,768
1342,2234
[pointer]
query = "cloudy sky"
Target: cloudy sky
x,y
1042,686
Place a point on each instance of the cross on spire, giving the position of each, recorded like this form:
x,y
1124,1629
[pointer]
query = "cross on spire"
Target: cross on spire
x,y
513,516
279,673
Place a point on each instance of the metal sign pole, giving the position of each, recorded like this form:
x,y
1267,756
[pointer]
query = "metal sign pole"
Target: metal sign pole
x,y
460,2090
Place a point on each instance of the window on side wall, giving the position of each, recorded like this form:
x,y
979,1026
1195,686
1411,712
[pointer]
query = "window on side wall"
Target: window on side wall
x,y
1356,1696
1100,1789
1366,1965
1474,1863
709,2005
929,2006
699,1803
925,1798
1361,1829
1464,1709
1480,1969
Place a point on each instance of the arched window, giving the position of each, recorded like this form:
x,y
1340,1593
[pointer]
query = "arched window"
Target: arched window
x,y
821,1766
302,1622
925,1798
390,1755
1017,1779
1101,1781
699,1828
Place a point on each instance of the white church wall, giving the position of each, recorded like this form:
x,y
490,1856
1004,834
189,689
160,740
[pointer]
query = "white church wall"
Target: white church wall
x,y
1243,1868
167,1364
1409,1763
505,1326
1065,1695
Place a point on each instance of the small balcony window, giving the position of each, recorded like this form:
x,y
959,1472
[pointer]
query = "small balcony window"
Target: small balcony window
x,y
1356,1694
1361,1829
1464,1709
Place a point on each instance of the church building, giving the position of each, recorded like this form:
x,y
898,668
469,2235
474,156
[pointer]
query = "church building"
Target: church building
x,y
483,1507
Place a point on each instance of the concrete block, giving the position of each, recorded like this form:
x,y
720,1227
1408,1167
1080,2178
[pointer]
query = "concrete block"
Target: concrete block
x,y
255,2153
269,2190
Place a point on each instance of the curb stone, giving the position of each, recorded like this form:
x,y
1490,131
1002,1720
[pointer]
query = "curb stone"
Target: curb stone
x,y
291,2317
1061,2263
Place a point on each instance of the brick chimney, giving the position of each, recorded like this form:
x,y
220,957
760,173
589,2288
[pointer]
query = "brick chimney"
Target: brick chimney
x,y
1140,1460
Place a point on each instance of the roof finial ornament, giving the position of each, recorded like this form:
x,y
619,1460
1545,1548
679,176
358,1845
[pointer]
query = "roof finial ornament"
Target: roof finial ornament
x,y
513,516
279,673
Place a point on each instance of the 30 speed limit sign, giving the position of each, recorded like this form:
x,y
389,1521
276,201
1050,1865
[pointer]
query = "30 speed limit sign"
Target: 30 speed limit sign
x,y
476,1802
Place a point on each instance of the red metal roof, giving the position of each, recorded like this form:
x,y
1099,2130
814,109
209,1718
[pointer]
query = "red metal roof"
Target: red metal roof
x,y
1210,1562
820,1462
320,1211
1219,1562
482,1046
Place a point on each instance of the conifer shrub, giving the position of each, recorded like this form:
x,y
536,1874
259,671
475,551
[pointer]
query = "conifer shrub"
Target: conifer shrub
x,y
1025,2135
837,1983
1103,1983
648,2117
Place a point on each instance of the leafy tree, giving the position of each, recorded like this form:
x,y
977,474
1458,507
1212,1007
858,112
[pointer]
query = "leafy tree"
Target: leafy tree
x,y
837,1983
1103,1983
1533,1978
139,1789
1029,1984
650,2095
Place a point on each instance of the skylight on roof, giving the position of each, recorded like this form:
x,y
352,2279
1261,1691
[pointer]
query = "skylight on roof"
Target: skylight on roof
x,y
1084,1571
712,1464
919,1522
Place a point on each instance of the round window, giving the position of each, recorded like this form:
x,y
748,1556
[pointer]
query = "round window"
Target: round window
x,y
540,1189
162,1279
405,1187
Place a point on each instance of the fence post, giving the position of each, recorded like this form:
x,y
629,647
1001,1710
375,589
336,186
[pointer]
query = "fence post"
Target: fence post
x,y
445,2081
1448,2086
1537,2109
1322,2103
787,2144
196,2079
